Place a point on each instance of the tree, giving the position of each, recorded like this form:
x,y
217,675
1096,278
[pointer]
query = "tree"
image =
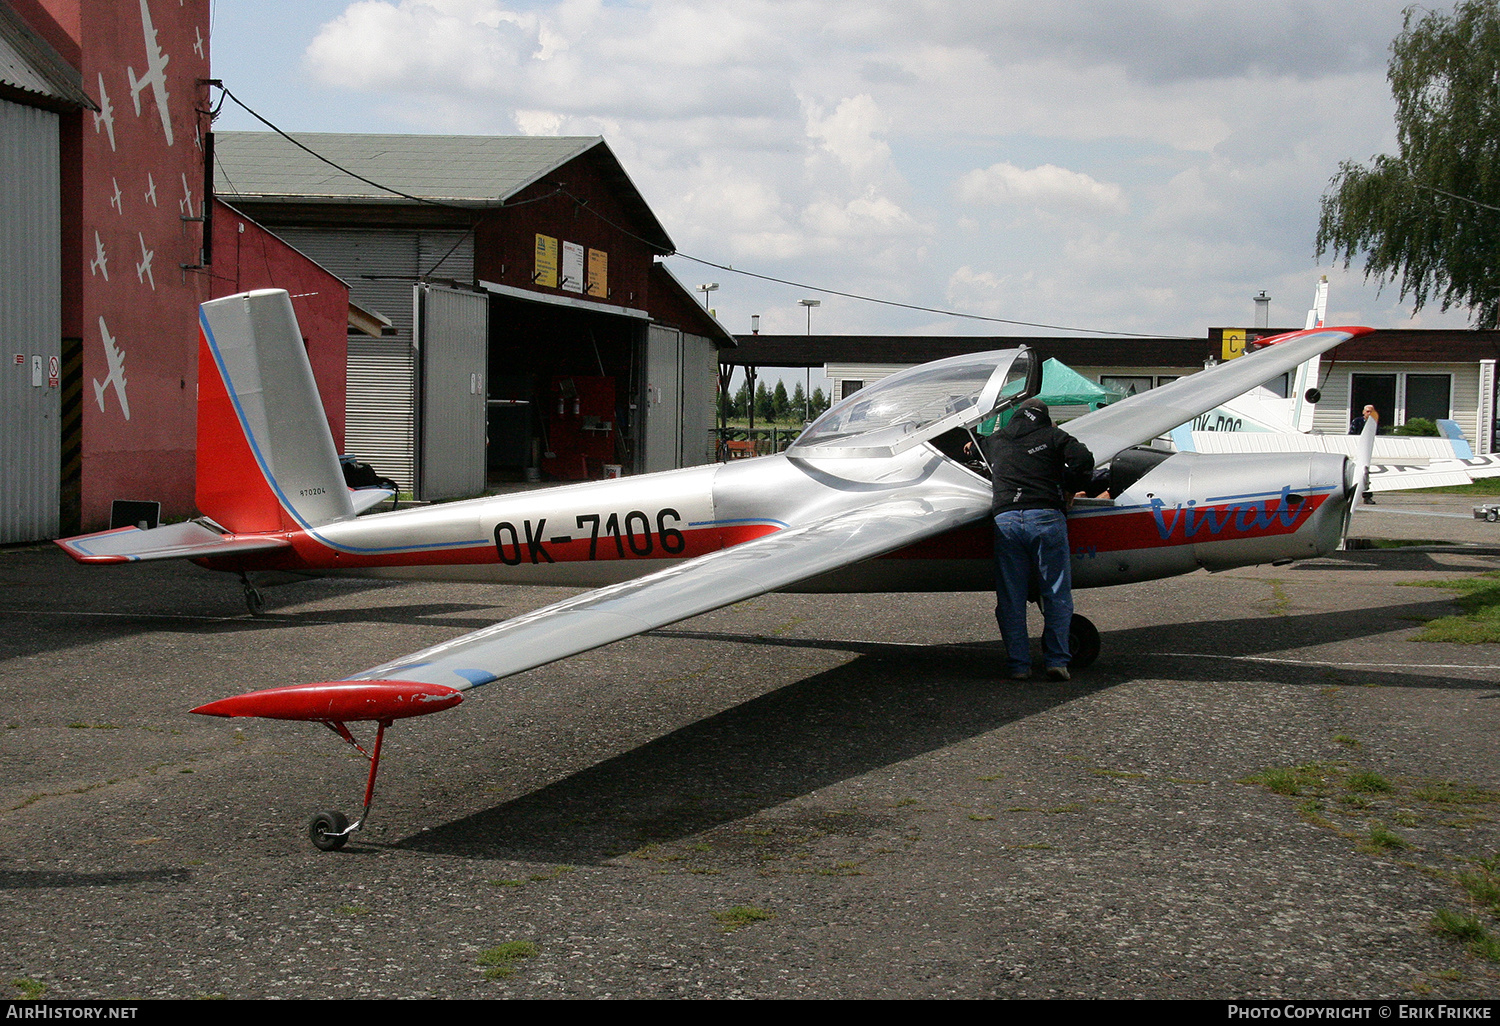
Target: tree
x,y
1431,214
781,403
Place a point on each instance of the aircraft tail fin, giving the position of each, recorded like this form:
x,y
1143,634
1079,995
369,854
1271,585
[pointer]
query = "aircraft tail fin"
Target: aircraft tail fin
x,y
266,459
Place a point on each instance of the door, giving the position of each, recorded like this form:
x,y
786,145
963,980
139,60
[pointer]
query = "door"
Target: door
x,y
451,341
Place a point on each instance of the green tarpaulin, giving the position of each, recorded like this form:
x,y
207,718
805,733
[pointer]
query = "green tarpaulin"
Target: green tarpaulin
x,y
1062,386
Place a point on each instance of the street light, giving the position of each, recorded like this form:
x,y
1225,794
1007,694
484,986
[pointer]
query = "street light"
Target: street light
x,y
712,286
807,388
809,303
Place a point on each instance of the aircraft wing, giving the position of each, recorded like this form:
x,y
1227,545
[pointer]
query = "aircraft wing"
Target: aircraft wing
x,y
687,589
1146,415
188,540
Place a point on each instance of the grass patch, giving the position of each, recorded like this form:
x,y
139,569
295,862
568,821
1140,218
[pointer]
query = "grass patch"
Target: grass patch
x,y
1484,888
500,961
1368,782
1468,930
1479,598
1479,486
1294,780
1382,839
738,916
30,989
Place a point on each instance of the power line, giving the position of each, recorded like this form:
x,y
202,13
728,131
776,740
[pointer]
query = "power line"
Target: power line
x,y
686,256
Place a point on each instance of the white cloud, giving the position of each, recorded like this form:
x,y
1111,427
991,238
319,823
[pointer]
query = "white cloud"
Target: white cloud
x,y
1045,186
1138,163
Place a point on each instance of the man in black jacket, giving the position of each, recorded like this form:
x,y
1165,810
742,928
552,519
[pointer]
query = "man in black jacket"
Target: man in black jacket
x,y
1036,467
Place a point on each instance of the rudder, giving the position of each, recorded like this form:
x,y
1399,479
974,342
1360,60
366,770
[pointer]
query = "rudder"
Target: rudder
x,y
266,459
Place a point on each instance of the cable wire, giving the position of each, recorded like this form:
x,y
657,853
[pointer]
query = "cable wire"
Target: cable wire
x,y
687,256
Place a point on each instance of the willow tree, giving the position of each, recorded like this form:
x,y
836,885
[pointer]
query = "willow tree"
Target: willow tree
x,y
1430,216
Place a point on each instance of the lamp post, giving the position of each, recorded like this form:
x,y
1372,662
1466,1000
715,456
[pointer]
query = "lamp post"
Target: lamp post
x,y
712,286
807,388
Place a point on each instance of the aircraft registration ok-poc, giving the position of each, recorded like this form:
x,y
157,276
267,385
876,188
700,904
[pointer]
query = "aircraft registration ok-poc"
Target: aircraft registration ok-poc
x,y
871,497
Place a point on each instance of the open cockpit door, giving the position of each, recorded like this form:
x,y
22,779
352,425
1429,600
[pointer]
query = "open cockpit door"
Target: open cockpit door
x,y
920,403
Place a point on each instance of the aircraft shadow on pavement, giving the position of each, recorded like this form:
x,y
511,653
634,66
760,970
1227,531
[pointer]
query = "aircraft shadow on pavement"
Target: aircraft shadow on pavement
x,y
877,710
891,703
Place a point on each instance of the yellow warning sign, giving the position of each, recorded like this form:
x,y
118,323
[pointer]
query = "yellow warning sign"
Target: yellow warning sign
x,y
546,262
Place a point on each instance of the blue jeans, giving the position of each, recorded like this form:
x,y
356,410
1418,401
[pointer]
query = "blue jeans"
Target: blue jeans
x,y
1033,542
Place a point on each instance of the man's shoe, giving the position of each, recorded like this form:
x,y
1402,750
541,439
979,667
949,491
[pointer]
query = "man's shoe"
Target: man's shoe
x,y
1020,674
1058,673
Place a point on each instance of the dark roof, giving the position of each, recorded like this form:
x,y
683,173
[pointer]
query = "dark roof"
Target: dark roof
x,y
469,171
816,350
1384,345
34,73
1408,345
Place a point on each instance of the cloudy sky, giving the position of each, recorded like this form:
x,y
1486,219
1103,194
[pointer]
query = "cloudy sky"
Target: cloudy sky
x,y
1126,165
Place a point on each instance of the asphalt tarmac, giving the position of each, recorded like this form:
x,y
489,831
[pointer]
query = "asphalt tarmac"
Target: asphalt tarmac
x,y
794,797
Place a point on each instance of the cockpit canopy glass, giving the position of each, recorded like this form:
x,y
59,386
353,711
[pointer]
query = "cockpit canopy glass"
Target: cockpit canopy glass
x,y
914,405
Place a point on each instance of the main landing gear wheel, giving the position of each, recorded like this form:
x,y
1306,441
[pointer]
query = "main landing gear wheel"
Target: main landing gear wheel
x,y
254,600
328,831
1083,638
1492,516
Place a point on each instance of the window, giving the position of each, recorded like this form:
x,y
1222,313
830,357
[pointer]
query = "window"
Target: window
x,y
1400,397
1126,386
1427,396
849,386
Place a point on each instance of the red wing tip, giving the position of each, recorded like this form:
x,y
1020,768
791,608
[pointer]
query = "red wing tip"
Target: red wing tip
x,y
339,701
1276,340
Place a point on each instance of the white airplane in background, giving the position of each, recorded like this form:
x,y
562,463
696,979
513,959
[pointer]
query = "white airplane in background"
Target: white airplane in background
x,y
116,374
143,268
1262,421
105,115
100,263
155,76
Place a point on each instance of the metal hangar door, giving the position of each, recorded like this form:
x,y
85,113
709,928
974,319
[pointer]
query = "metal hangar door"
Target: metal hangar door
x,y
452,331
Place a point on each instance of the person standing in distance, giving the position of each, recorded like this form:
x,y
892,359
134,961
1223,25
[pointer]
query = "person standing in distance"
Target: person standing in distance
x,y
1036,468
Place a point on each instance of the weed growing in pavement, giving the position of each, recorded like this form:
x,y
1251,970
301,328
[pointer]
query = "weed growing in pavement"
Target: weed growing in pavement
x,y
737,916
502,958
1468,929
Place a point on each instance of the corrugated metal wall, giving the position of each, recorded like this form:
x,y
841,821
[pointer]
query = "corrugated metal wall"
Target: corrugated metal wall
x,y
700,391
30,323
381,265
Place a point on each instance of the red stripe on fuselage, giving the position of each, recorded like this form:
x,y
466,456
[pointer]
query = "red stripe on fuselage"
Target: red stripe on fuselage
x,y
310,553
1123,530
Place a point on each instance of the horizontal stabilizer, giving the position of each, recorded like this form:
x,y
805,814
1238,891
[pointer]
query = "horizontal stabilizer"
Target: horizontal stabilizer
x,y
188,540
364,498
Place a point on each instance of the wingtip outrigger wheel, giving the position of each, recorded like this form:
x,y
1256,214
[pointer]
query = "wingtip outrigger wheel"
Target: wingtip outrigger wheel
x,y
329,831
333,703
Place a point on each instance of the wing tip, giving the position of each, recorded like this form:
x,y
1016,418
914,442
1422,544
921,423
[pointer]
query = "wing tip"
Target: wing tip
x,y
339,701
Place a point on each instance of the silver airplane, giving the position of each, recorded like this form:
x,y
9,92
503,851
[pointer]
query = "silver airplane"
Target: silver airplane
x,y
155,76
874,496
